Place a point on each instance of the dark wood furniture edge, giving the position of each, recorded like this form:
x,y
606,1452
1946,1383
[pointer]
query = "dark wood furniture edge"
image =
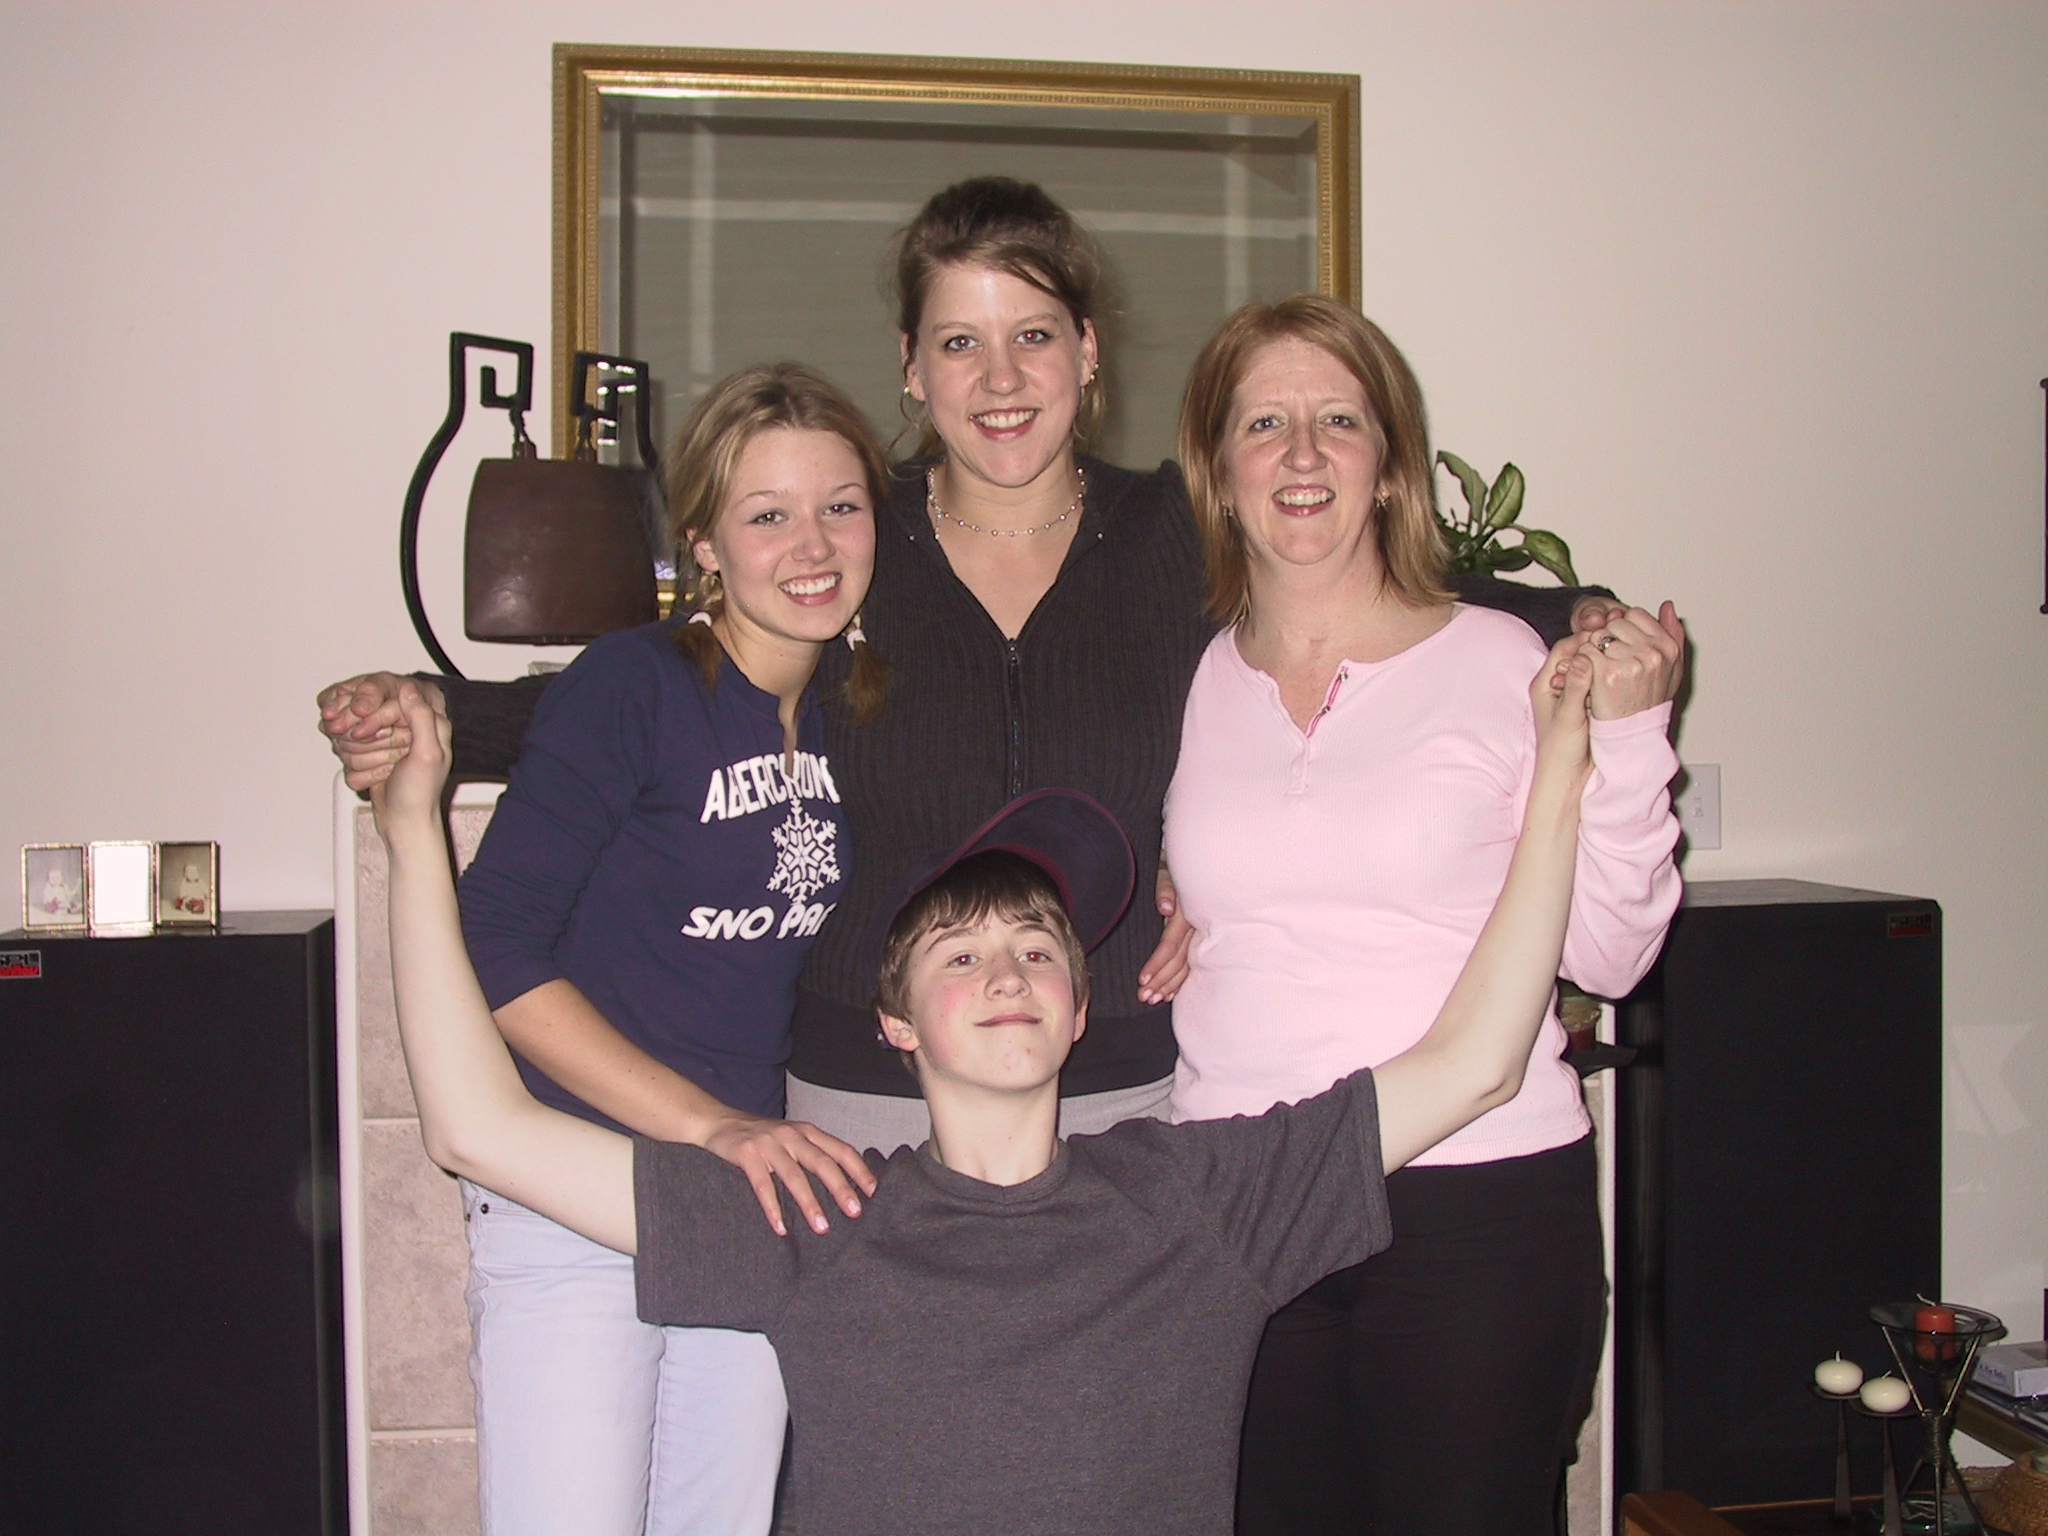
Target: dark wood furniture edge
x,y
1668,1512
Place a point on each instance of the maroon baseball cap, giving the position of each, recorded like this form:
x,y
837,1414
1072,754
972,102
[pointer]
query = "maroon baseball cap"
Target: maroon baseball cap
x,y
1073,839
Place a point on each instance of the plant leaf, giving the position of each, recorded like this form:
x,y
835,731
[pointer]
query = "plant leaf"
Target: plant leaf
x,y
1470,478
1504,502
1505,559
1552,553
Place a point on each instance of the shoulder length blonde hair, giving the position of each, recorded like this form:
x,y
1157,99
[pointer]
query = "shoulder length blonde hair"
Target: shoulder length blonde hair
x,y
701,466
1411,547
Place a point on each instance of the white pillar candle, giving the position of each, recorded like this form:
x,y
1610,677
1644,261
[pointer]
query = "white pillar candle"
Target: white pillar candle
x,y
1838,1376
1886,1394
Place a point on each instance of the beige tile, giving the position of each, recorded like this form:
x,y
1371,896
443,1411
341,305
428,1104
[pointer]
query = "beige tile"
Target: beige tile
x,y
415,1260
385,1092
424,1487
466,825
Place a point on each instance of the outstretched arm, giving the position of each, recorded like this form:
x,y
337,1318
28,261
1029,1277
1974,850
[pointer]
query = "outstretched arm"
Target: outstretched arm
x,y
1473,1057
476,1117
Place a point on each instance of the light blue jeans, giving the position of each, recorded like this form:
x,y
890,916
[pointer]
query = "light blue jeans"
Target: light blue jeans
x,y
590,1422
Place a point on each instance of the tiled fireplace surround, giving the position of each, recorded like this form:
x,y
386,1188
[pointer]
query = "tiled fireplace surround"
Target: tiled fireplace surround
x,y
412,1440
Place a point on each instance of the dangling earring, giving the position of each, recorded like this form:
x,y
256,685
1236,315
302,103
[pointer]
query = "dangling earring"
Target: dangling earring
x,y
856,637
911,409
1381,502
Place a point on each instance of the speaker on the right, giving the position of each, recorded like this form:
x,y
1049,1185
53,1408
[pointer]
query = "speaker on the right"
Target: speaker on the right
x,y
1778,1171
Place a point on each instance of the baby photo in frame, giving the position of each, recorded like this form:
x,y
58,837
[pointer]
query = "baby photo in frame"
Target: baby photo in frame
x,y
188,885
54,887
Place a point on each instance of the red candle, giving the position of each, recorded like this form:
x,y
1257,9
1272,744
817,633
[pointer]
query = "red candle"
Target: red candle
x,y
1930,1319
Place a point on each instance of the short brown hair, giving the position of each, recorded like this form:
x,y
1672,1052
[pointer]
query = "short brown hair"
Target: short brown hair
x,y
1411,546
1011,226
991,884
701,465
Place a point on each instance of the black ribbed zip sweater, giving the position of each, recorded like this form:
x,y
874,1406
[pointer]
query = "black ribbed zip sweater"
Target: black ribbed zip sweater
x,y
1088,696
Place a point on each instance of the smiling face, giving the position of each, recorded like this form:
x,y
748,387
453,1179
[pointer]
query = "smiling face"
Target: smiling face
x,y
1001,366
991,1004
1301,460
794,539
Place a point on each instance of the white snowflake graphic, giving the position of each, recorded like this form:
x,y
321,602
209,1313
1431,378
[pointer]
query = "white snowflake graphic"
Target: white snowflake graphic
x,y
806,854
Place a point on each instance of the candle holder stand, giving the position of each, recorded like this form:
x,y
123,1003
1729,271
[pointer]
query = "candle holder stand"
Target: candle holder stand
x,y
1844,1512
1892,1521
1934,1366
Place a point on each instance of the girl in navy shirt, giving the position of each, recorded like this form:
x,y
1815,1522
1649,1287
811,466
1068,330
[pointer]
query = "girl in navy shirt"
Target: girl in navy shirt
x,y
667,846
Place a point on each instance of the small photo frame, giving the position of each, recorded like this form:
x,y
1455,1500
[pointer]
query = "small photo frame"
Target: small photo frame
x,y
56,889
122,887
188,885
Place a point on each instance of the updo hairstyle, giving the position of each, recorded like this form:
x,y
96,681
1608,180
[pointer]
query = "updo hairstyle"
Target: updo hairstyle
x,y
1011,226
1411,546
701,466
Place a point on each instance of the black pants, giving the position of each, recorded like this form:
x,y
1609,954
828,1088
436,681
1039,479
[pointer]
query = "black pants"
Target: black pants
x,y
1438,1389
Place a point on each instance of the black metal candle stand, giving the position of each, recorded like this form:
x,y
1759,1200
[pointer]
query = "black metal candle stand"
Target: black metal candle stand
x,y
1934,1365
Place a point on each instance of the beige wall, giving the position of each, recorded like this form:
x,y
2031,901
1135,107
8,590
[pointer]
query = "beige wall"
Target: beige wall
x,y
1757,295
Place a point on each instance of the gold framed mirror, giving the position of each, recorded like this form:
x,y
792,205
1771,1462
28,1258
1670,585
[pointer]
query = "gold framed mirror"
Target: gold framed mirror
x,y
716,209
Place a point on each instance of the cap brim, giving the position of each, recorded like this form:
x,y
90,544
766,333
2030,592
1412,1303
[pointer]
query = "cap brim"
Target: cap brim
x,y
1074,840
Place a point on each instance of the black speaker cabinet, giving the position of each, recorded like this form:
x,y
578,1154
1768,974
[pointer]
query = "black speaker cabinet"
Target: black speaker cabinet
x,y
170,1275
1778,1172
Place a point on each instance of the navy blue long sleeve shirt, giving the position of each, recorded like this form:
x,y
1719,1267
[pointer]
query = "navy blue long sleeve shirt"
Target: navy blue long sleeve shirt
x,y
652,848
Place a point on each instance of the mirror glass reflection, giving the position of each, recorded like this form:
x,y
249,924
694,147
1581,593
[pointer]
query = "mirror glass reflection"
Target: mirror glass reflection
x,y
735,230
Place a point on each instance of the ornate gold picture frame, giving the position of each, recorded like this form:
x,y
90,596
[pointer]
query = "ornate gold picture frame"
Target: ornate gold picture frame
x,y
716,209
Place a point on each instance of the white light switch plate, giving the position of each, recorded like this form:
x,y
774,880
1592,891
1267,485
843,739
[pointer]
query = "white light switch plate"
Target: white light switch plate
x,y
1699,805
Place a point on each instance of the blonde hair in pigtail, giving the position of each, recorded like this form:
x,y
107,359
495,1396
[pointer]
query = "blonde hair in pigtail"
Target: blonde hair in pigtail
x,y
704,597
867,681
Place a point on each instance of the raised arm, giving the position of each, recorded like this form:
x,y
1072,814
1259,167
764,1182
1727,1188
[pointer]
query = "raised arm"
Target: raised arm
x,y
1473,1057
1628,884
476,1117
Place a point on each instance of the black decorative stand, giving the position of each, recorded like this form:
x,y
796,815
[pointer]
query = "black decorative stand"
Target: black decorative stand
x,y
1935,1367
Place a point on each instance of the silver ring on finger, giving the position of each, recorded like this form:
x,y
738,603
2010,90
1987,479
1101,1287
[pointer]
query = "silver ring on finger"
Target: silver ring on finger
x,y
1603,643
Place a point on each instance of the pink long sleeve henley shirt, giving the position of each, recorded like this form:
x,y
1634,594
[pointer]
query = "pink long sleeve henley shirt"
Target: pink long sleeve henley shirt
x,y
1338,876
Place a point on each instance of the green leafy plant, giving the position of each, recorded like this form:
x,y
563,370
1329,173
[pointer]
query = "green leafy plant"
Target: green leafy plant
x,y
1490,511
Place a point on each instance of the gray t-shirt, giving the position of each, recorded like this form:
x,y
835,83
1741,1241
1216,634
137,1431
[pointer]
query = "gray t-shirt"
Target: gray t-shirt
x,y
1063,1356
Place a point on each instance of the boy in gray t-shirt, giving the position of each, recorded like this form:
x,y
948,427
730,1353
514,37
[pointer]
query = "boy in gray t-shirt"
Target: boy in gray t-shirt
x,y
1015,1334
1068,1354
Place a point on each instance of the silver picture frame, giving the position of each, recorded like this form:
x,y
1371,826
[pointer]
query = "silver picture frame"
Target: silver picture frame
x,y
56,888
187,882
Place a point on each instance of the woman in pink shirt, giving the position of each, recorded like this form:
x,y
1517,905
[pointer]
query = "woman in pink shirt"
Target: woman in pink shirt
x,y
1355,759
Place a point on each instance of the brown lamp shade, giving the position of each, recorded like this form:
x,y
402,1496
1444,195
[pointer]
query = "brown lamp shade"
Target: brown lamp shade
x,y
555,553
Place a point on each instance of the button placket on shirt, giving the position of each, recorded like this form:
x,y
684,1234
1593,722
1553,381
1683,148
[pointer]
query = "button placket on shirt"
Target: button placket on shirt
x,y
1304,748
